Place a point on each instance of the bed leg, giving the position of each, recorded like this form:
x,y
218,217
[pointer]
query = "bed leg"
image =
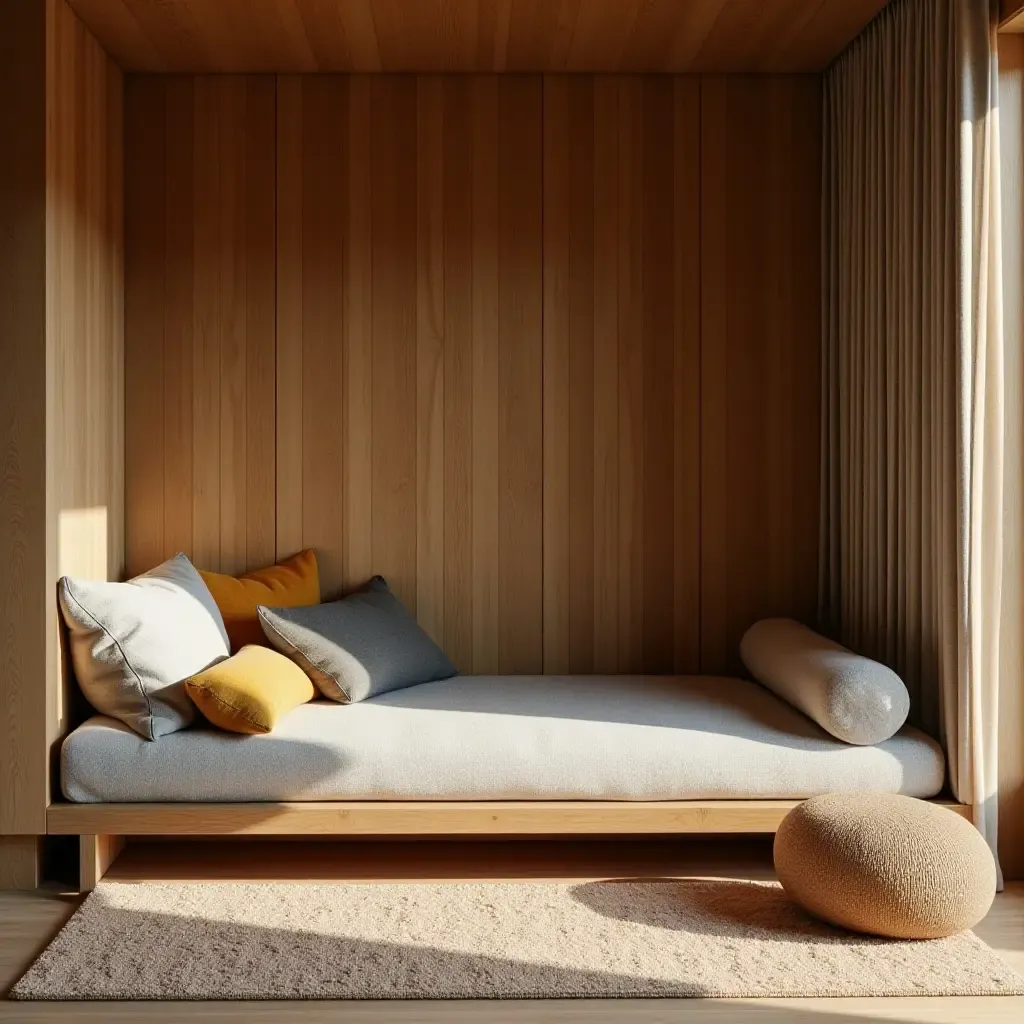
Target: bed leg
x,y
96,854
20,862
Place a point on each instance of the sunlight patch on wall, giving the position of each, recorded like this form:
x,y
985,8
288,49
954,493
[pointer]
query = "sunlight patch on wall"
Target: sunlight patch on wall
x,y
82,542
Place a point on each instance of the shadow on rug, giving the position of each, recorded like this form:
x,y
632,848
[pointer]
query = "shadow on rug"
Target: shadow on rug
x,y
473,941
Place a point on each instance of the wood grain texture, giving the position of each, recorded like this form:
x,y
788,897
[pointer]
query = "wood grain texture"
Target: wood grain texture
x,y
468,355
760,357
621,374
25,542
363,376
85,322
200,320
95,856
476,35
506,817
61,496
20,862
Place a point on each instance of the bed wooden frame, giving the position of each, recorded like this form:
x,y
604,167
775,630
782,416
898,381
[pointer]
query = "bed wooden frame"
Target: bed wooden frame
x,y
102,827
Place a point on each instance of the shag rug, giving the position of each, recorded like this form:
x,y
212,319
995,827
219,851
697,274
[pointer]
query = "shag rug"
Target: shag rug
x,y
500,941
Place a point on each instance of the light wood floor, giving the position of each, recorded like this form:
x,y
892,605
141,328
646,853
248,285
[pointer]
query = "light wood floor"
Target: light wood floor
x,y
29,920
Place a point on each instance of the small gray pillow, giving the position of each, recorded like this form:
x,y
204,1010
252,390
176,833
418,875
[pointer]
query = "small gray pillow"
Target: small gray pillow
x,y
857,700
134,644
363,645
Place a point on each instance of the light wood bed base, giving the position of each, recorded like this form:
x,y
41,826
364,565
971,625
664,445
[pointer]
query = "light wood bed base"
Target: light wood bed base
x,y
95,855
103,826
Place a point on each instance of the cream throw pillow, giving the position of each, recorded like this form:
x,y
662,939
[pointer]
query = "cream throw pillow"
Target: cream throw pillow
x,y
857,700
134,644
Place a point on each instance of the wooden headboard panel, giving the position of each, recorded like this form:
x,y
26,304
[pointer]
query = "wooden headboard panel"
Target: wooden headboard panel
x,y
544,351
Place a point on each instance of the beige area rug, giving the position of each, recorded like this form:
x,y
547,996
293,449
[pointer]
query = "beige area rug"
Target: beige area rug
x,y
519,940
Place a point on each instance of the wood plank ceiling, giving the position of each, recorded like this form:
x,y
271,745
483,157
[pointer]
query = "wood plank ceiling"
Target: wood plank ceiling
x,y
475,35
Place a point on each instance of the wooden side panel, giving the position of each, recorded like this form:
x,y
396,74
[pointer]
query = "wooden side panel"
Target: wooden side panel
x,y
760,356
621,374
61,393
201,321
25,540
85,274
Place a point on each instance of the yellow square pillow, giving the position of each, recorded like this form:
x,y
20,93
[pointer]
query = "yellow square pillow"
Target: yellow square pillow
x,y
291,584
251,691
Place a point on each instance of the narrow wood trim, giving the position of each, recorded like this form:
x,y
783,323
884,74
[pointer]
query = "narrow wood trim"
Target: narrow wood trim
x,y
96,854
1011,16
401,818
20,862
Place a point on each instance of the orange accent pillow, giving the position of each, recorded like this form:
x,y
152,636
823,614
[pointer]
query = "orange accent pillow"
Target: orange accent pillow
x,y
292,583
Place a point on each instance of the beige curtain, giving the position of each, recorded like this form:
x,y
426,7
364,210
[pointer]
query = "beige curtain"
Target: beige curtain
x,y
913,371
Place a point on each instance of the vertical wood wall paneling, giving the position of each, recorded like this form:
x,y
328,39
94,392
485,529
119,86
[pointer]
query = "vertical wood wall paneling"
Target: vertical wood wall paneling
x,y
487,369
61,500
621,374
201,320
395,333
84,243
234,325
149,430
430,390
409,294
289,276
760,356
323,338
519,398
175,225
484,384
356,548
459,428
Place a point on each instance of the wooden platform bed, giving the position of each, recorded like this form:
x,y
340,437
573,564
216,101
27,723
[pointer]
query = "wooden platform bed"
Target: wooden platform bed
x,y
103,827
576,756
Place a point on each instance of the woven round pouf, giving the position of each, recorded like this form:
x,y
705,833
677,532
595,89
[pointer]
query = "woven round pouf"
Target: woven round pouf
x,y
885,865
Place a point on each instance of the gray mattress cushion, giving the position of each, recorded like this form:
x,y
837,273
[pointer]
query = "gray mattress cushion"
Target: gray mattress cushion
x,y
508,738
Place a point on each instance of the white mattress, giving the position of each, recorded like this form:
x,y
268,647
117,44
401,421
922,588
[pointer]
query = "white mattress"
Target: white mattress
x,y
508,738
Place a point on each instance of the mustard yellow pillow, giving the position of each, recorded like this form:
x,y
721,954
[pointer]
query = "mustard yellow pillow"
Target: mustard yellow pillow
x,y
293,583
251,691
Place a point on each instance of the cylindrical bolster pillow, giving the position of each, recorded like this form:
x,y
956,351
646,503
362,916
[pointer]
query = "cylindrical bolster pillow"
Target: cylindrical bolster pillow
x,y
856,699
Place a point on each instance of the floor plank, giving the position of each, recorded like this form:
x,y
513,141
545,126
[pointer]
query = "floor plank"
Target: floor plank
x,y
29,920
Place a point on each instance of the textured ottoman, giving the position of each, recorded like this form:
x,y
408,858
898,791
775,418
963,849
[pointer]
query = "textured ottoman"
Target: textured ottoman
x,y
886,865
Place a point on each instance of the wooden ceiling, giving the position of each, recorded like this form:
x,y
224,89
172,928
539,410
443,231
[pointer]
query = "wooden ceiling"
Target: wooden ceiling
x,y
475,35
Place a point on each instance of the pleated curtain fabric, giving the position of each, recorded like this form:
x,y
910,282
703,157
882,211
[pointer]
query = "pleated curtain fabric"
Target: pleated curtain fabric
x,y
913,371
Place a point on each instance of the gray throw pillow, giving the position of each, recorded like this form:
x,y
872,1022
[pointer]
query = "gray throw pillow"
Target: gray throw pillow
x,y
134,644
363,645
